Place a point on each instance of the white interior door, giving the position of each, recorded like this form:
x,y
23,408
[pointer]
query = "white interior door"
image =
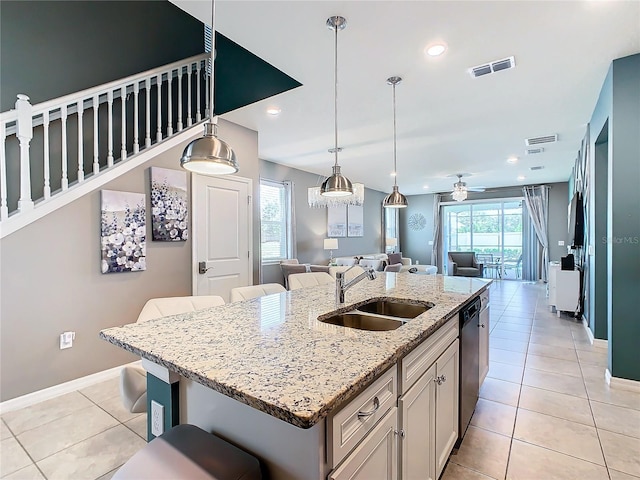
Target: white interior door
x,y
222,255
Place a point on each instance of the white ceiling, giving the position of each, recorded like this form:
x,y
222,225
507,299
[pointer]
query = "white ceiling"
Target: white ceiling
x,y
447,121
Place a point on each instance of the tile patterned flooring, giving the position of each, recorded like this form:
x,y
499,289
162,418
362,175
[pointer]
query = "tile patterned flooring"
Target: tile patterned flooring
x,y
545,412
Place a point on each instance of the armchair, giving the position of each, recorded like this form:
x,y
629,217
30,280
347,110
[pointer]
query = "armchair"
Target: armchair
x,y
464,264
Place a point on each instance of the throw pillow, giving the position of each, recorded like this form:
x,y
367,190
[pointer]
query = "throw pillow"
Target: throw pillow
x,y
394,258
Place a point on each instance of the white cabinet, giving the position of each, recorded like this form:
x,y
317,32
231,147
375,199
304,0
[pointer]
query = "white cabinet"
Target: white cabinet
x,y
564,289
417,419
484,335
447,391
376,457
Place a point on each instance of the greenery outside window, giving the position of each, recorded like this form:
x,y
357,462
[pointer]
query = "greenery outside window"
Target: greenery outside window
x,y
276,233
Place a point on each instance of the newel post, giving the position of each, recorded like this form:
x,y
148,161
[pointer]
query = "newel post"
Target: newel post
x,y
24,132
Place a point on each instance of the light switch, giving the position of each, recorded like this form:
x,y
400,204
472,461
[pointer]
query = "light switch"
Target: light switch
x,y
561,243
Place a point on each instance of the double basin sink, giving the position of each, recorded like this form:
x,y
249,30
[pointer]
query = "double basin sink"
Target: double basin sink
x,y
378,315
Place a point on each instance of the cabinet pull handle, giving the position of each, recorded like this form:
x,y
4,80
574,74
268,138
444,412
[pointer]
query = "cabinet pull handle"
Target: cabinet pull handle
x,y
376,406
440,379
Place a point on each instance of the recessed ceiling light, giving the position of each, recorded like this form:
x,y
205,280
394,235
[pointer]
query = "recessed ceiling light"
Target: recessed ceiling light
x,y
393,174
435,49
512,159
521,178
426,187
274,111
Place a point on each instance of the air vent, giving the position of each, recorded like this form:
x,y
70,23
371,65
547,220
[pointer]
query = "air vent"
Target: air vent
x,y
492,67
543,139
534,151
539,167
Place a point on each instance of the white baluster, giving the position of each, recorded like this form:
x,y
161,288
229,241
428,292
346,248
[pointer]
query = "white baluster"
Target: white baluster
x,y
179,124
63,124
206,97
96,151
123,116
147,138
189,119
4,209
159,121
136,135
198,116
24,132
110,129
80,107
45,155
169,105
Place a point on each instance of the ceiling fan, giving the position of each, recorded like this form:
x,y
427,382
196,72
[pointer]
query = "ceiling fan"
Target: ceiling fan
x,y
460,189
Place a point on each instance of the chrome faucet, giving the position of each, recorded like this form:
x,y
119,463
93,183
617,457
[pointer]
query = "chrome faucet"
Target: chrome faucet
x,y
342,287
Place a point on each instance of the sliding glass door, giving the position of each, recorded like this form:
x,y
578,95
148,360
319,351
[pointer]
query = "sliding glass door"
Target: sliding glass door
x,y
493,230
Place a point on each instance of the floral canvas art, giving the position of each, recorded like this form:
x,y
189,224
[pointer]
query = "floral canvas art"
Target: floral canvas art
x,y
123,237
169,212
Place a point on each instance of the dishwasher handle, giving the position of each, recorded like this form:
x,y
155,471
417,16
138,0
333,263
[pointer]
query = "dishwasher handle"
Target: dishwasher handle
x,y
471,311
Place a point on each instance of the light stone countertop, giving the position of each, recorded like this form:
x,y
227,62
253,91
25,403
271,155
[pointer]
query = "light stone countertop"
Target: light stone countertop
x,y
273,354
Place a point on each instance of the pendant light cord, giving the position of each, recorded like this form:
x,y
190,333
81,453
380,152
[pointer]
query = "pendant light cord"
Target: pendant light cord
x,y
395,168
211,60
335,96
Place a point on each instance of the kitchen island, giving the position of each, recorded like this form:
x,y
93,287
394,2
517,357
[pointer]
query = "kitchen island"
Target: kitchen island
x,y
267,375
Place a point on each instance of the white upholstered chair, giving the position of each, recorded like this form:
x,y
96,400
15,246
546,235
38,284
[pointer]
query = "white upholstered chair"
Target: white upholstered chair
x,y
376,264
353,271
254,291
311,279
133,379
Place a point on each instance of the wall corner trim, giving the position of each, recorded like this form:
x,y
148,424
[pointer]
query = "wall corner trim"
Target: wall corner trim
x,y
621,383
61,389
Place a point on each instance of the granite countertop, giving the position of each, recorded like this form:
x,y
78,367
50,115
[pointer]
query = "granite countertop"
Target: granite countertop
x,y
273,354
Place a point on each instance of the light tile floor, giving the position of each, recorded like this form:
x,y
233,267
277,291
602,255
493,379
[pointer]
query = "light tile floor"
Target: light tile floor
x,y
545,412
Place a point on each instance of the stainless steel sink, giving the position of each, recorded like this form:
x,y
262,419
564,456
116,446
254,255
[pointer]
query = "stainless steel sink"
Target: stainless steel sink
x,y
361,321
394,308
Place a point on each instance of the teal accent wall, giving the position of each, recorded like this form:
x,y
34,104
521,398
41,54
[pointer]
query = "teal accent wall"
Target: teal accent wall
x,y
616,118
166,394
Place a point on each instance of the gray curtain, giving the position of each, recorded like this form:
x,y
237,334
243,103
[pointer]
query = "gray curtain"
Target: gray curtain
x,y
436,250
536,199
292,218
531,249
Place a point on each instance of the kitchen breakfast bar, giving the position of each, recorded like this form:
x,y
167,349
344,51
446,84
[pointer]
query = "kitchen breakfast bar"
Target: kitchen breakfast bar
x,y
309,398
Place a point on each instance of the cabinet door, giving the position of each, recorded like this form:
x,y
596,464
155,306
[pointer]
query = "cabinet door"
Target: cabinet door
x,y
376,456
484,343
417,422
447,388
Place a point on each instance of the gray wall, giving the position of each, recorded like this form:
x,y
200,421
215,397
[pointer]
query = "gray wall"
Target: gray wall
x,y
619,105
49,49
51,282
415,244
311,223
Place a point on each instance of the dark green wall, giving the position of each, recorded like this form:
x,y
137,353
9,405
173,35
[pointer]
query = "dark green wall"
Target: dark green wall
x,y
42,56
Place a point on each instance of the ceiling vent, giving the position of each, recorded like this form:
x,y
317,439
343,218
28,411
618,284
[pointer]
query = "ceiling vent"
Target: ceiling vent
x,y
534,151
543,139
539,167
492,67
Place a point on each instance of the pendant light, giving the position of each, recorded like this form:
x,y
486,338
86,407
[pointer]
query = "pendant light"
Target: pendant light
x,y
395,199
209,155
336,185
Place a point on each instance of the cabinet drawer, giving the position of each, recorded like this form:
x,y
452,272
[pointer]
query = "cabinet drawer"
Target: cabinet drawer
x,y
418,361
350,425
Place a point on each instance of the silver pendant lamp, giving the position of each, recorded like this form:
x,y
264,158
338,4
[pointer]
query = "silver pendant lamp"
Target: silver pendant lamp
x,y
209,155
395,199
337,185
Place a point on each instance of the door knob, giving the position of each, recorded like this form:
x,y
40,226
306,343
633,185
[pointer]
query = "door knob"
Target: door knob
x,y
202,268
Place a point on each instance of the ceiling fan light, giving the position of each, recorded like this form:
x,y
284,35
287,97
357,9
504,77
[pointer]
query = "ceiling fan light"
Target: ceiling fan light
x,y
459,194
209,155
337,185
395,199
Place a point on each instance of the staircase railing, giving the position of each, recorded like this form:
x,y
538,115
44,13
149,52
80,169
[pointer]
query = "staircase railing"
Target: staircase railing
x,y
52,147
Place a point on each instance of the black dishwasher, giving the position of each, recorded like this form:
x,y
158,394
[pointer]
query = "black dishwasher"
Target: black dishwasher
x,y
469,364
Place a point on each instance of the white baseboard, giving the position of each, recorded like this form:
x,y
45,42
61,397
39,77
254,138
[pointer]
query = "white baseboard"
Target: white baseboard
x,y
622,383
596,342
61,389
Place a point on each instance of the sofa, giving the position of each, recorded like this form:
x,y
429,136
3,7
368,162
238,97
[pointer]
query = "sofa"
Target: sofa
x,y
377,261
464,264
292,266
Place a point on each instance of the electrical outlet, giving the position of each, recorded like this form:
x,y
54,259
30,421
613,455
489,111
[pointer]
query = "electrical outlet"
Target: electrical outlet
x,y
157,418
561,243
66,340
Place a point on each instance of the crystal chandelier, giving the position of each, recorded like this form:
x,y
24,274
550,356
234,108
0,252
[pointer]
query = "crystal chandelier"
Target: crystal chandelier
x,y
459,193
317,200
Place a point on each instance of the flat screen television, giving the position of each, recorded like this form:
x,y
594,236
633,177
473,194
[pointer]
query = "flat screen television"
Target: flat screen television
x,y
576,221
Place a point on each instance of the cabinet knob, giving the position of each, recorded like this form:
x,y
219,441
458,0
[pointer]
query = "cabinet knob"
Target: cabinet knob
x,y
376,406
440,379
400,433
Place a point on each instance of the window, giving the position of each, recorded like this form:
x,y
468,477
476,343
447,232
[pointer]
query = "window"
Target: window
x,y
391,221
275,221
